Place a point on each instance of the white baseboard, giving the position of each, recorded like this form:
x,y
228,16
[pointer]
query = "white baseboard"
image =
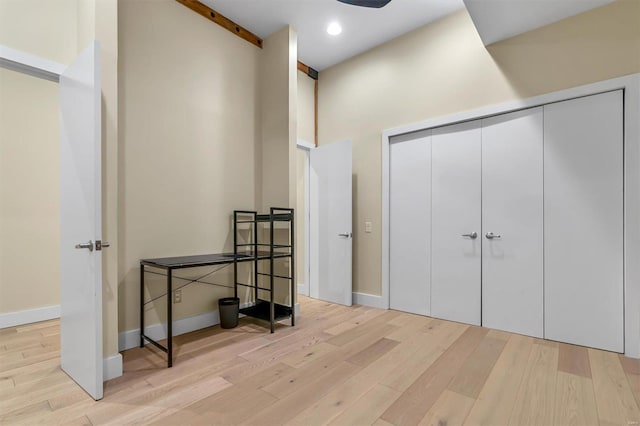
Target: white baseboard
x,y
131,338
367,300
12,319
112,367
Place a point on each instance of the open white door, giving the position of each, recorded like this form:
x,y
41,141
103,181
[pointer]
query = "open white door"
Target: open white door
x,y
80,221
330,222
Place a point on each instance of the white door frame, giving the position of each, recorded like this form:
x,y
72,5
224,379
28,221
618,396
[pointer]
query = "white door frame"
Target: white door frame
x,y
631,86
27,63
304,287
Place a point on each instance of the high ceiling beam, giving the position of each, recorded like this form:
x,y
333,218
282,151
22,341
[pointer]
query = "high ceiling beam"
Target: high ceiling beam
x,y
223,21
307,70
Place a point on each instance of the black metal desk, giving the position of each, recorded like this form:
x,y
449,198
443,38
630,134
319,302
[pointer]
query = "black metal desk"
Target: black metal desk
x,y
169,264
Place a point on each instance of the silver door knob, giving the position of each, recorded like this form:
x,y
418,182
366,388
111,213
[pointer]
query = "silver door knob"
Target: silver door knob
x,y
346,235
88,245
472,235
491,236
101,244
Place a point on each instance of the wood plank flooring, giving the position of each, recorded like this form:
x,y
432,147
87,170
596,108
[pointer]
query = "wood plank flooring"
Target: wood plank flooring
x,y
339,366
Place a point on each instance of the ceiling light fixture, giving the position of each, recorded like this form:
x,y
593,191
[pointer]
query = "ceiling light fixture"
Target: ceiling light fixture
x,y
334,29
367,3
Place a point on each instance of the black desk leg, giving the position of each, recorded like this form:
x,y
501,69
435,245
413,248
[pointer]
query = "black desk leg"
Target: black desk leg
x,y
169,320
141,305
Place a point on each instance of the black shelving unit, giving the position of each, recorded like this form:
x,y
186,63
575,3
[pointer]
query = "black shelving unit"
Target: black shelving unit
x,y
265,253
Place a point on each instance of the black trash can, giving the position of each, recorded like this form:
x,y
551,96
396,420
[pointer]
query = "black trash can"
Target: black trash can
x,y
229,307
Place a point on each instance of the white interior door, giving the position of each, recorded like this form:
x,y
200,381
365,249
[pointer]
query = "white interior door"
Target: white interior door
x,y
512,258
410,223
455,223
80,199
583,221
330,178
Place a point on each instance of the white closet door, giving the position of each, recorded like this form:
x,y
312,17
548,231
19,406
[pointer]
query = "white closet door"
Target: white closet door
x,y
512,202
456,209
410,222
583,214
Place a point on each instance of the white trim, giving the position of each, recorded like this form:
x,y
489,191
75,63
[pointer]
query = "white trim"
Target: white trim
x,y
302,144
631,214
131,338
303,288
368,300
112,367
386,135
29,316
30,64
631,85
307,224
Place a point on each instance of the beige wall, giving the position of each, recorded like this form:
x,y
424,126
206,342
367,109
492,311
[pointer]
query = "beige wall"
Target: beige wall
x,y
58,30
105,27
301,169
306,132
279,126
29,154
306,108
189,128
43,28
29,193
278,170
443,68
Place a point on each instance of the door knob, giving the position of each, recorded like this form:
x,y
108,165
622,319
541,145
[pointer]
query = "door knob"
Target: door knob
x,y
472,235
491,236
346,235
88,245
101,244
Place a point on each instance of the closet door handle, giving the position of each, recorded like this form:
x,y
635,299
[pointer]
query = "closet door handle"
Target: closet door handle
x,y
491,236
88,245
472,235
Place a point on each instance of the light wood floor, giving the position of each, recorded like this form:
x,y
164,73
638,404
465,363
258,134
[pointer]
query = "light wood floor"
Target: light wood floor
x,y
339,365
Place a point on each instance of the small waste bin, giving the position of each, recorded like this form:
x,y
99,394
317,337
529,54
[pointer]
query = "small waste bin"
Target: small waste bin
x,y
228,307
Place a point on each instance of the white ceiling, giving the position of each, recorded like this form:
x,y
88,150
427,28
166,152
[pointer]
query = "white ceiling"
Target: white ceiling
x,y
497,20
362,28
365,28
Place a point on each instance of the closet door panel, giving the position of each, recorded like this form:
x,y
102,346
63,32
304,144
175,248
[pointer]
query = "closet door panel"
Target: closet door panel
x,y
512,207
456,204
583,213
410,222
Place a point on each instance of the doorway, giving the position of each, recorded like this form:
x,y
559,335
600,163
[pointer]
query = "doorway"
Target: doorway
x,y
328,221
29,199
302,216
80,208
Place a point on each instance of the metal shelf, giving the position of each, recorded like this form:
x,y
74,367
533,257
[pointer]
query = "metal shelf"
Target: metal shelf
x,y
260,308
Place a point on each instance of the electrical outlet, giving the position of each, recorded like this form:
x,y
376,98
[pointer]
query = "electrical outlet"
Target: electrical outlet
x,y
177,296
368,227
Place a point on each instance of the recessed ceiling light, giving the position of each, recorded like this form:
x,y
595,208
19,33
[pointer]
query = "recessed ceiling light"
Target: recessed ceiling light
x,y
334,28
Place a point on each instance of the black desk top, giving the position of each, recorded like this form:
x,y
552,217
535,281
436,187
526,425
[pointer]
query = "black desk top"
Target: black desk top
x,y
183,261
205,259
